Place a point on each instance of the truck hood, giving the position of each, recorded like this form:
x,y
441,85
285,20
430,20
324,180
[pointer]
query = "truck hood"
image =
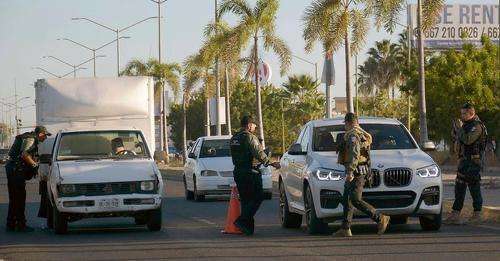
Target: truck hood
x,y
381,159
218,164
104,171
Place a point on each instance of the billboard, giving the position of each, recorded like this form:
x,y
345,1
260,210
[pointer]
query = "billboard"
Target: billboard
x,y
458,24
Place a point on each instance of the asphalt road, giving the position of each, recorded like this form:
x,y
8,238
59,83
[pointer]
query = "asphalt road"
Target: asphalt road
x,y
191,230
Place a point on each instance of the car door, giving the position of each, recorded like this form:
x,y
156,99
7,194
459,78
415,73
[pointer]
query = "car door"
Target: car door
x,y
190,166
293,180
300,165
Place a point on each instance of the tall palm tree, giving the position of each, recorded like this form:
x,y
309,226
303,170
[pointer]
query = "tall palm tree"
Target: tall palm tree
x,y
163,73
337,23
255,23
381,72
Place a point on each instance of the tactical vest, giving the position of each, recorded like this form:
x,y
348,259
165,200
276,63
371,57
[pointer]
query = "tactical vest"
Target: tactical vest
x,y
240,153
476,149
15,150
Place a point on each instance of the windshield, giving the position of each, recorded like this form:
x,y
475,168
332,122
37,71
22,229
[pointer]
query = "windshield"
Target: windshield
x,y
215,148
385,137
102,144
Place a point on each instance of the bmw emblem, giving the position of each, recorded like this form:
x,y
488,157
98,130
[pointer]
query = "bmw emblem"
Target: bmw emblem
x,y
380,165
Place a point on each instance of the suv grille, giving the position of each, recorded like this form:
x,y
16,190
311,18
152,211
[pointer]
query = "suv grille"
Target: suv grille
x,y
390,199
375,180
102,189
397,177
226,174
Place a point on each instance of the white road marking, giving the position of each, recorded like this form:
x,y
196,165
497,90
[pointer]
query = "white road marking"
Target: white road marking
x,y
206,221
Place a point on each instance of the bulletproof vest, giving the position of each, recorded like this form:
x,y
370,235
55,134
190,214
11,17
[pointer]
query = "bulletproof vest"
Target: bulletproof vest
x,y
477,147
240,151
15,150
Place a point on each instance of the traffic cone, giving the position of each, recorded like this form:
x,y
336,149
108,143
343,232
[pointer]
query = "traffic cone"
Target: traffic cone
x,y
233,213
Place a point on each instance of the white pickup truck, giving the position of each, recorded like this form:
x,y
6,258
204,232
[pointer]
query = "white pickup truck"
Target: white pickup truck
x,y
99,164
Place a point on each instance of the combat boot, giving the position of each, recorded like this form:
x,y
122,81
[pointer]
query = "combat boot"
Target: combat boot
x,y
476,218
454,219
342,232
382,224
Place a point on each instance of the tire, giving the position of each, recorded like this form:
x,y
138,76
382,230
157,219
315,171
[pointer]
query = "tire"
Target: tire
x,y
154,220
50,216
399,220
431,222
287,218
60,222
141,220
268,195
188,194
197,196
314,224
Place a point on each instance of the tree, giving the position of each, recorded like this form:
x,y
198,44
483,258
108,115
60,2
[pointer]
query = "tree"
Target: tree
x,y
381,72
163,73
257,22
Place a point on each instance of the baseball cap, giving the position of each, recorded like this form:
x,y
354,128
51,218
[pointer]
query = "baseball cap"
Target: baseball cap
x,y
40,129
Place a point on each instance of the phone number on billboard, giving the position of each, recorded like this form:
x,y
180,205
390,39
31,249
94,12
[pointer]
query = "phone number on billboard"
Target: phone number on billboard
x,y
458,32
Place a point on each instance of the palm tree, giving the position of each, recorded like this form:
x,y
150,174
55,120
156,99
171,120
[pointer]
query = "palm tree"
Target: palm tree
x,y
338,23
163,73
381,72
257,22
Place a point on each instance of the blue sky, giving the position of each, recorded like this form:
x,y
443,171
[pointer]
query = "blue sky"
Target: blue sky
x,y
29,29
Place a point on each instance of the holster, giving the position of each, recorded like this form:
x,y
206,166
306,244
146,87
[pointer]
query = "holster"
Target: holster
x,y
365,171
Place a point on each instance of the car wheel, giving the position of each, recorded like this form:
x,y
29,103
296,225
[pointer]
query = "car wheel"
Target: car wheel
x,y
398,220
268,195
141,220
189,194
431,222
314,224
50,216
197,196
154,220
287,218
60,221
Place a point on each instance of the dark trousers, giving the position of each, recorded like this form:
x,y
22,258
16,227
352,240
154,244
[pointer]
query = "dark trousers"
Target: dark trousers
x,y
249,184
352,198
17,197
468,176
44,199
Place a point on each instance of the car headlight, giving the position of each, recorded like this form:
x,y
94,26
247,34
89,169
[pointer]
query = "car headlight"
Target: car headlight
x,y
429,171
67,188
147,185
209,173
329,174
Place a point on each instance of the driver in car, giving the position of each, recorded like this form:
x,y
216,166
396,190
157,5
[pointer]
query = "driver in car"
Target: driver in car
x,y
118,147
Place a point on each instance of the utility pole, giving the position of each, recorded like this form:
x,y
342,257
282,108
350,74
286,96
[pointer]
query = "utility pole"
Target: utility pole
x,y
409,33
422,104
217,82
282,127
15,107
356,82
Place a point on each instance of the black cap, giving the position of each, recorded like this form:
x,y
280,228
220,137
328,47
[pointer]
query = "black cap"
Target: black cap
x,y
245,120
468,106
116,142
350,117
42,129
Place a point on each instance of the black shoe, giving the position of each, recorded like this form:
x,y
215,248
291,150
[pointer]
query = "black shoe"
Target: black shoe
x,y
25,229
243,228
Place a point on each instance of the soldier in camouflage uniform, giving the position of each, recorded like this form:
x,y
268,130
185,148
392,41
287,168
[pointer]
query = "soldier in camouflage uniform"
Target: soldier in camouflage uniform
x,y
247,154
469,135
354,155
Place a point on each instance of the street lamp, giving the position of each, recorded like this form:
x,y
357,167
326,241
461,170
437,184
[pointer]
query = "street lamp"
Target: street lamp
x,y
311,63
74,66
55,75
93,50
117,31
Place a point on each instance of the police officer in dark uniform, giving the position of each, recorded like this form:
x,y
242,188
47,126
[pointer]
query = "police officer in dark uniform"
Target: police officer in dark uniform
x,y
247,154
470,138
22,166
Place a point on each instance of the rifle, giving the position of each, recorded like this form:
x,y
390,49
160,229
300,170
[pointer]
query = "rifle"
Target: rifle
x,y
456,126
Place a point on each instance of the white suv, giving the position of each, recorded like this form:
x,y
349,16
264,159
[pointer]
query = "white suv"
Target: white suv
x,y
406,181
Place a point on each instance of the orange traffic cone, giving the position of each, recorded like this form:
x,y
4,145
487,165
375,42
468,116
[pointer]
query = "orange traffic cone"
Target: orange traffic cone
x,y
233,213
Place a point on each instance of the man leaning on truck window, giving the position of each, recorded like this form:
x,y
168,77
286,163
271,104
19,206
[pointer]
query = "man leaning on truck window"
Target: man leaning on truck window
x,y
21,166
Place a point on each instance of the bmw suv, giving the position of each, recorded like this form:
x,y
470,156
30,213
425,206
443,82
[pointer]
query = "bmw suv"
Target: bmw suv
x,y
406,180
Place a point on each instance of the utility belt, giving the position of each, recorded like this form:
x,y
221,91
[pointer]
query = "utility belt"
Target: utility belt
x,y
21,168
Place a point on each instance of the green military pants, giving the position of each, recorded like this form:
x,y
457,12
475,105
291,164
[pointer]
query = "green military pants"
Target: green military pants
x,y
352,197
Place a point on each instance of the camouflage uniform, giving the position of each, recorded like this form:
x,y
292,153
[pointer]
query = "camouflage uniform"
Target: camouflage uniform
x,y
469,166
247,154
355,158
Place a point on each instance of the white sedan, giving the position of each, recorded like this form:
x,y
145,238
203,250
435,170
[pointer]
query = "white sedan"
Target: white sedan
x,y
209,169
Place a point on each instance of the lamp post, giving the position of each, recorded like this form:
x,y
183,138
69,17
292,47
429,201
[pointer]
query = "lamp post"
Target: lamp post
x,y
93,50
55,75
421,73
117,32
311,63
74,66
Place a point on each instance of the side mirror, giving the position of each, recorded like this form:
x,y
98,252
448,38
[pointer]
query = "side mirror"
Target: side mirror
x,y
429,146
46,159
296,149
192,155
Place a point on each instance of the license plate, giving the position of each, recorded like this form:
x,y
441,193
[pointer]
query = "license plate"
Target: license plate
x,y
108,203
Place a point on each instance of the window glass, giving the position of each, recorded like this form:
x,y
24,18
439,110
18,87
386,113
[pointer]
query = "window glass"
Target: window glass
x,y
215,148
